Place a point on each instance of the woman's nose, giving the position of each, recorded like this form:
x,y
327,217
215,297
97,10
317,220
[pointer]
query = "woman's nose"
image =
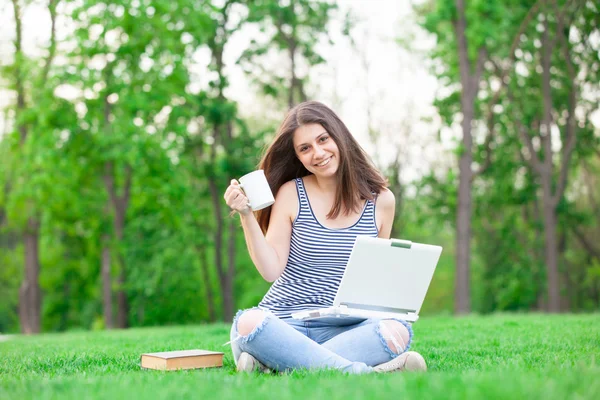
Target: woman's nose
x,y
319,152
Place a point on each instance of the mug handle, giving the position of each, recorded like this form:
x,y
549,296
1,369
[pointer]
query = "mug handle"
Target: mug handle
x,y
242,186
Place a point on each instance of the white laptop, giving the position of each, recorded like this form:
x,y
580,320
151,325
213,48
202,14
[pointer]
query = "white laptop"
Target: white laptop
x,y
384,278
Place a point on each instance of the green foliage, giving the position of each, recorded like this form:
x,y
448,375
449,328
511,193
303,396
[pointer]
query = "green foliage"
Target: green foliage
x,y
10,277
293,31
507,225
135,104
425,220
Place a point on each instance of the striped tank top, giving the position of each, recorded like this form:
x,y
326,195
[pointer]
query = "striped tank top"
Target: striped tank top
x,y
317,260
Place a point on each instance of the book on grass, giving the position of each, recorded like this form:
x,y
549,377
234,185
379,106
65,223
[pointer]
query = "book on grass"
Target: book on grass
x,y
183,359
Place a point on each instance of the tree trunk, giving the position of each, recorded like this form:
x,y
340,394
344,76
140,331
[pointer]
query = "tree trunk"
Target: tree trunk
x,y
122,303
550,199
228,297
463,225
218,237
30,295
210,300
107,284
119,206
24,308
551,251
30,298
567,280
293,79
538,251
470,85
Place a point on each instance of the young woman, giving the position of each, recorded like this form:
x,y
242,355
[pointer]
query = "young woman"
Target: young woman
x,y
327,192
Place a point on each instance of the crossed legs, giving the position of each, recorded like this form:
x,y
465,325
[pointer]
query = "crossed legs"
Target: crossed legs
x,y
353,349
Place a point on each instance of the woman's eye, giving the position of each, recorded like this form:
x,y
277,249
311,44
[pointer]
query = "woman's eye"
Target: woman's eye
x,y
324,138
303,149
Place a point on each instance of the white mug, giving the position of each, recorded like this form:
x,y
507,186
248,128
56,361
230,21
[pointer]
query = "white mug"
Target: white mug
x,y
257,190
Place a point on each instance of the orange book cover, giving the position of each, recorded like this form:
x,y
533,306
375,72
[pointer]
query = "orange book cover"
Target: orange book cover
x,y
182,359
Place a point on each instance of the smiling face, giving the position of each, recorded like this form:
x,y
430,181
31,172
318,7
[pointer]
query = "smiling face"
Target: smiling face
x,y
316,150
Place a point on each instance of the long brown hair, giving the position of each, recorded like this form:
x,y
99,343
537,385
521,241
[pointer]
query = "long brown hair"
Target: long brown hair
x,y
356,174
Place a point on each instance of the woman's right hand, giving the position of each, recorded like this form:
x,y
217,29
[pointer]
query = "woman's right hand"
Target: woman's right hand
x,y
236,198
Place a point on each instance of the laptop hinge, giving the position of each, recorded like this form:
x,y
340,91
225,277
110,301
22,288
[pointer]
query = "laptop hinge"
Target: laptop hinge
x,y
406,244
377,308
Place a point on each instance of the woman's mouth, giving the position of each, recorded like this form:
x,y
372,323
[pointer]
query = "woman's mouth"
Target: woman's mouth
x,y
324,162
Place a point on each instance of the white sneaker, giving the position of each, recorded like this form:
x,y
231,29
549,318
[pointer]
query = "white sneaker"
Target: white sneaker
x,y
247,363
408,361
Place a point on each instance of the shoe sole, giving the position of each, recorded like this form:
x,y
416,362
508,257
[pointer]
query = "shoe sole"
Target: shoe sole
x,y
245,363
414,362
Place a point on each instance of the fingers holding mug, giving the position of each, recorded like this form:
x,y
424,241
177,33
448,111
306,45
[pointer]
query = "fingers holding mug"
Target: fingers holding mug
x,y
233,190
236,199
233,185
257,188
241,203
253,185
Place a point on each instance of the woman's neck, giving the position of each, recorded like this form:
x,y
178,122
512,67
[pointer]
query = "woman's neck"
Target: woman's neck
x,y
326,185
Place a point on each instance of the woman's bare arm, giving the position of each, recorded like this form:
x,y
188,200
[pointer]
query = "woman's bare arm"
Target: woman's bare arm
x,y
270,252
384,213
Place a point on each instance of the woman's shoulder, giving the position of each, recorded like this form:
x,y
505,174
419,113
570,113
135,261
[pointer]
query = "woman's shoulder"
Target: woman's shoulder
x,y
386,198
288,189
286,199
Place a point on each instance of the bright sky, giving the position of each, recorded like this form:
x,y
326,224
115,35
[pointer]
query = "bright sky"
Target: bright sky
x,y
377,77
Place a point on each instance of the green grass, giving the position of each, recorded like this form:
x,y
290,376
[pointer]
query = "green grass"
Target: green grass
x,y
502,356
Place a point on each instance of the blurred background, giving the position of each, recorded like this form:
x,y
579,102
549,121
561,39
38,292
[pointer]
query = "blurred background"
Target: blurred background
x,y
122,122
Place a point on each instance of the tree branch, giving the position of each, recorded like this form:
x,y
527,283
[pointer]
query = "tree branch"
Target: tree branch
x,y
587,174
503,82
460,26
52,48
216,200
487,145
482,57
551,41
475,78
526,139
18,72
585,242
570,135
127,187
513,48
109,182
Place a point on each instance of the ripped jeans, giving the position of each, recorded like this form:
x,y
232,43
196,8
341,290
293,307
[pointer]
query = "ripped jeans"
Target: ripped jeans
x,y
346,344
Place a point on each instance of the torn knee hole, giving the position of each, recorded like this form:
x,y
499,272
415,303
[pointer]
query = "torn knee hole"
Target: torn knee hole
x,y
249,321
395,334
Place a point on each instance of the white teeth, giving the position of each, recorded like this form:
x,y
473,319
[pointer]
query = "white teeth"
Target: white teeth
x,y
324,162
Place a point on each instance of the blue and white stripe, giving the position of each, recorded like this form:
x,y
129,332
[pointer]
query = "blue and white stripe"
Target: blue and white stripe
x,y
317,260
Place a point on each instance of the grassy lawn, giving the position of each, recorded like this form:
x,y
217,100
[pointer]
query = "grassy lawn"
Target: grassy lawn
x,y
501,356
